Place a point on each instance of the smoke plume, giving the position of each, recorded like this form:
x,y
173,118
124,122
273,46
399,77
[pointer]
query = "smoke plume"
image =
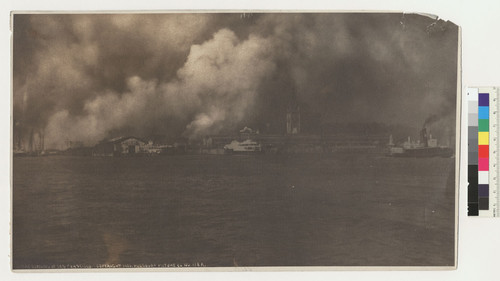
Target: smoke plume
x,y
91,77
214,89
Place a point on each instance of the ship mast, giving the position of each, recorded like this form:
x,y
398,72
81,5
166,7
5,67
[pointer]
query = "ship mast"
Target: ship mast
x,y
31,144
41,140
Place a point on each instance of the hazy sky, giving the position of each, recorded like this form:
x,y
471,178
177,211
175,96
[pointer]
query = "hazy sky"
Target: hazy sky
x,y
88,77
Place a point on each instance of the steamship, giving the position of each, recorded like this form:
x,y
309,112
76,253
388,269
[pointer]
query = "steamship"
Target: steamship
x,y
426,147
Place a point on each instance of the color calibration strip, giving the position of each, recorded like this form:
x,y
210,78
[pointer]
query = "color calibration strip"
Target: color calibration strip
x,y
482,152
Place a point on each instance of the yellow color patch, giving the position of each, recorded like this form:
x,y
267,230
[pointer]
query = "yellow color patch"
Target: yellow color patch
x,y
483,138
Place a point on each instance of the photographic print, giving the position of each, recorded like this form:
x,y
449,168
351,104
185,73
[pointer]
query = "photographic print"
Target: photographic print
x,y
227,140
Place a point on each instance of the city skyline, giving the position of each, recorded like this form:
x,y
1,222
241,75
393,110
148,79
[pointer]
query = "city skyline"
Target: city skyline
x,y
90,77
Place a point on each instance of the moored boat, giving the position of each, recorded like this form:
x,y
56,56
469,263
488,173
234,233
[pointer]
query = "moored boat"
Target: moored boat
x,y
427,147
244,147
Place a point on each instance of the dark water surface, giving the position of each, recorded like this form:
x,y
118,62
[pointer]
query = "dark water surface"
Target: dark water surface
x,y
221,210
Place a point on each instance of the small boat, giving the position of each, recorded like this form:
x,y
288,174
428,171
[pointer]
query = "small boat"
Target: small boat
x,y
247,146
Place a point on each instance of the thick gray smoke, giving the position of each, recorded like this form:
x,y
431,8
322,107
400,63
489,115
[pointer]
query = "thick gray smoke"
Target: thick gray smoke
x,y
90,77
214,89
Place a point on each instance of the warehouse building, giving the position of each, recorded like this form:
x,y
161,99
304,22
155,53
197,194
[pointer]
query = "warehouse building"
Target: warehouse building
x,y
121,146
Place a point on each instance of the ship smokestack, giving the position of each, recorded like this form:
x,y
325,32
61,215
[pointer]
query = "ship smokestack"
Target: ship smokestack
x,y
423,137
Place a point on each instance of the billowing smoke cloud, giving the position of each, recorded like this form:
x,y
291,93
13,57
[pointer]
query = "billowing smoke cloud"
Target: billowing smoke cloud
x,y
221,78
90,77
214,89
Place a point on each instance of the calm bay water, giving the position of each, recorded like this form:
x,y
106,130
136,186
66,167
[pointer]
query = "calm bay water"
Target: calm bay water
x,y
221,210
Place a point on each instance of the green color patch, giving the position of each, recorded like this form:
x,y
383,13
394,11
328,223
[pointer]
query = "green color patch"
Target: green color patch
x,y
484,125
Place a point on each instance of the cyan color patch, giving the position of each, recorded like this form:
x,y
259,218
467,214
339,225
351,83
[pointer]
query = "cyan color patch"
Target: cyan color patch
x,y
483,112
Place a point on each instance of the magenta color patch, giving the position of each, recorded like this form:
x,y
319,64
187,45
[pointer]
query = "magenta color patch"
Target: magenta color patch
x,y
483,164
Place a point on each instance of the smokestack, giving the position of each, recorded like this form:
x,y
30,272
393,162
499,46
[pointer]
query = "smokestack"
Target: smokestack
x,y
423,136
